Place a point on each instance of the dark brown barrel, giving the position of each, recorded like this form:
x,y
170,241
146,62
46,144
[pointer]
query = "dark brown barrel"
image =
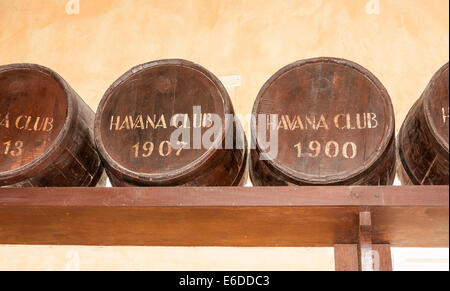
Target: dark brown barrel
x,y
133,128
335,126
46,131
423,137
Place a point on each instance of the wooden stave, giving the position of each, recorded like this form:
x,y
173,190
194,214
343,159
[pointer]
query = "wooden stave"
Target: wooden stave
x,y
265,176
208,178
416,137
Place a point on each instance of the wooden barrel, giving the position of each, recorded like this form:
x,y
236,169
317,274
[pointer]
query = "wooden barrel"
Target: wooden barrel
x,y
134,128
423,137
46,131
335,126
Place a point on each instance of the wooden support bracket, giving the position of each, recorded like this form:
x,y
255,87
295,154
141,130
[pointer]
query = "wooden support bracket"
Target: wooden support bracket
x,y
366,262
363,256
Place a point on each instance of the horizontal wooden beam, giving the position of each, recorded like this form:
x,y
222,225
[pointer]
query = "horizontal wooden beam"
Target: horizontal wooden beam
x,y
233,216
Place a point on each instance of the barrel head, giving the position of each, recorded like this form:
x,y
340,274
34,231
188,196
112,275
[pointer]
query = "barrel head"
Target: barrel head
x,y
136,116
33,112
335,120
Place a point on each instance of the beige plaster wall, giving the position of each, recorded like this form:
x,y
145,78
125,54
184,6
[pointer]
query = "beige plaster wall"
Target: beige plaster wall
x,y
403,42
76,258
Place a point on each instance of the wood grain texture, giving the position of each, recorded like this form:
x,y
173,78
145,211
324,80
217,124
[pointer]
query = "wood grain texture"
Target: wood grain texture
x,y
423,137
335,126
135,122
46,131
346,258
217,216
384,257
366,260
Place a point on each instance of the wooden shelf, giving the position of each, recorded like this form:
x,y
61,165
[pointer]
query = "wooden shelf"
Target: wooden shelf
x,y
236,216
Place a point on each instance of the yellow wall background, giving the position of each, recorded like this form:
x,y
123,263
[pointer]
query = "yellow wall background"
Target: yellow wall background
x,y
403,42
